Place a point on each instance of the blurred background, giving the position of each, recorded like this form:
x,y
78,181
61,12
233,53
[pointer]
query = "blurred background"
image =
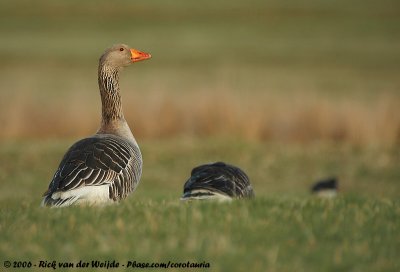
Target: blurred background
x,y
289,90
264,70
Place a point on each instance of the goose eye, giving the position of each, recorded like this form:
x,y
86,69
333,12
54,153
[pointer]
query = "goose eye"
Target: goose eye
x,y
121,49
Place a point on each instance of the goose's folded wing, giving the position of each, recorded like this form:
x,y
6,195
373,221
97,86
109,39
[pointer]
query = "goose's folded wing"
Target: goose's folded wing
x,y
220,177
210,178
93,162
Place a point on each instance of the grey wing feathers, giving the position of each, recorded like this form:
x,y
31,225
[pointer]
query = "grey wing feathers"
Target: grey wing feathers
x,y
220,178
96,161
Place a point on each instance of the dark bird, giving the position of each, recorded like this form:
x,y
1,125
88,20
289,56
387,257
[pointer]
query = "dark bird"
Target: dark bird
x,y
219,181
107,166
326,188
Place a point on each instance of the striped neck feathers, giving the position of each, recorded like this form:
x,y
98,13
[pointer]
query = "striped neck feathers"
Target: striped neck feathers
x,y
110,96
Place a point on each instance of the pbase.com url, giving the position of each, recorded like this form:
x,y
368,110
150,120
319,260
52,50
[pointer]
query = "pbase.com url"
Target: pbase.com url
x,y
169,264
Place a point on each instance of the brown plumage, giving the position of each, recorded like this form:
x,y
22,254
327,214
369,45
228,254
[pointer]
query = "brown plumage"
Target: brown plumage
x,y
107,166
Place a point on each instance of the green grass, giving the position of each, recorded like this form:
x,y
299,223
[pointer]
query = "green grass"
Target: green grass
x,y
283,229
274,234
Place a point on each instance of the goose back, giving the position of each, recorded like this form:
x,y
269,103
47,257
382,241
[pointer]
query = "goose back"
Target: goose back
x,y
217,180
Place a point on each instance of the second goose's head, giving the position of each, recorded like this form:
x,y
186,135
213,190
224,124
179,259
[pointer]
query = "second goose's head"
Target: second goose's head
x,y
121,55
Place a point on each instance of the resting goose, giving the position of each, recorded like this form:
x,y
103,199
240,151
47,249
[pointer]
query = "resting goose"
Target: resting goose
x,y
325,188
107,166
220,181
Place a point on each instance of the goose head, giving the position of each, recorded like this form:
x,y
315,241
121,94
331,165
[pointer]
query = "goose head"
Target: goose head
x,y
121,55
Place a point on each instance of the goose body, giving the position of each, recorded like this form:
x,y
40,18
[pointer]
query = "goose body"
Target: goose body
x,y
107,166
218,181
325,188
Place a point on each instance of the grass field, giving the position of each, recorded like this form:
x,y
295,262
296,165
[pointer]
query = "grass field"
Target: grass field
x,y
290,91
268,234
283,229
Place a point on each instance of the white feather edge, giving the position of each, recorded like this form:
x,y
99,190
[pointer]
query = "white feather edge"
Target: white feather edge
x,y
86,195
214,196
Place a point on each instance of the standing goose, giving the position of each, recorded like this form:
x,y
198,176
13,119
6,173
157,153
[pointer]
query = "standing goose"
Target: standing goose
x,y
107,166
219,181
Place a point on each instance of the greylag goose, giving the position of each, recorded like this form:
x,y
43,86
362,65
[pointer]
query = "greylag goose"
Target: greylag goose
x,y
218,181
326,188
107,166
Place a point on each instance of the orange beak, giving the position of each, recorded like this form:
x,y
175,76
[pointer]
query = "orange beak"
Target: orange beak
x,y
138,56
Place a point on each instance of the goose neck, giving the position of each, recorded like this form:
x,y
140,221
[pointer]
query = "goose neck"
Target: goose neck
x,y
110,95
